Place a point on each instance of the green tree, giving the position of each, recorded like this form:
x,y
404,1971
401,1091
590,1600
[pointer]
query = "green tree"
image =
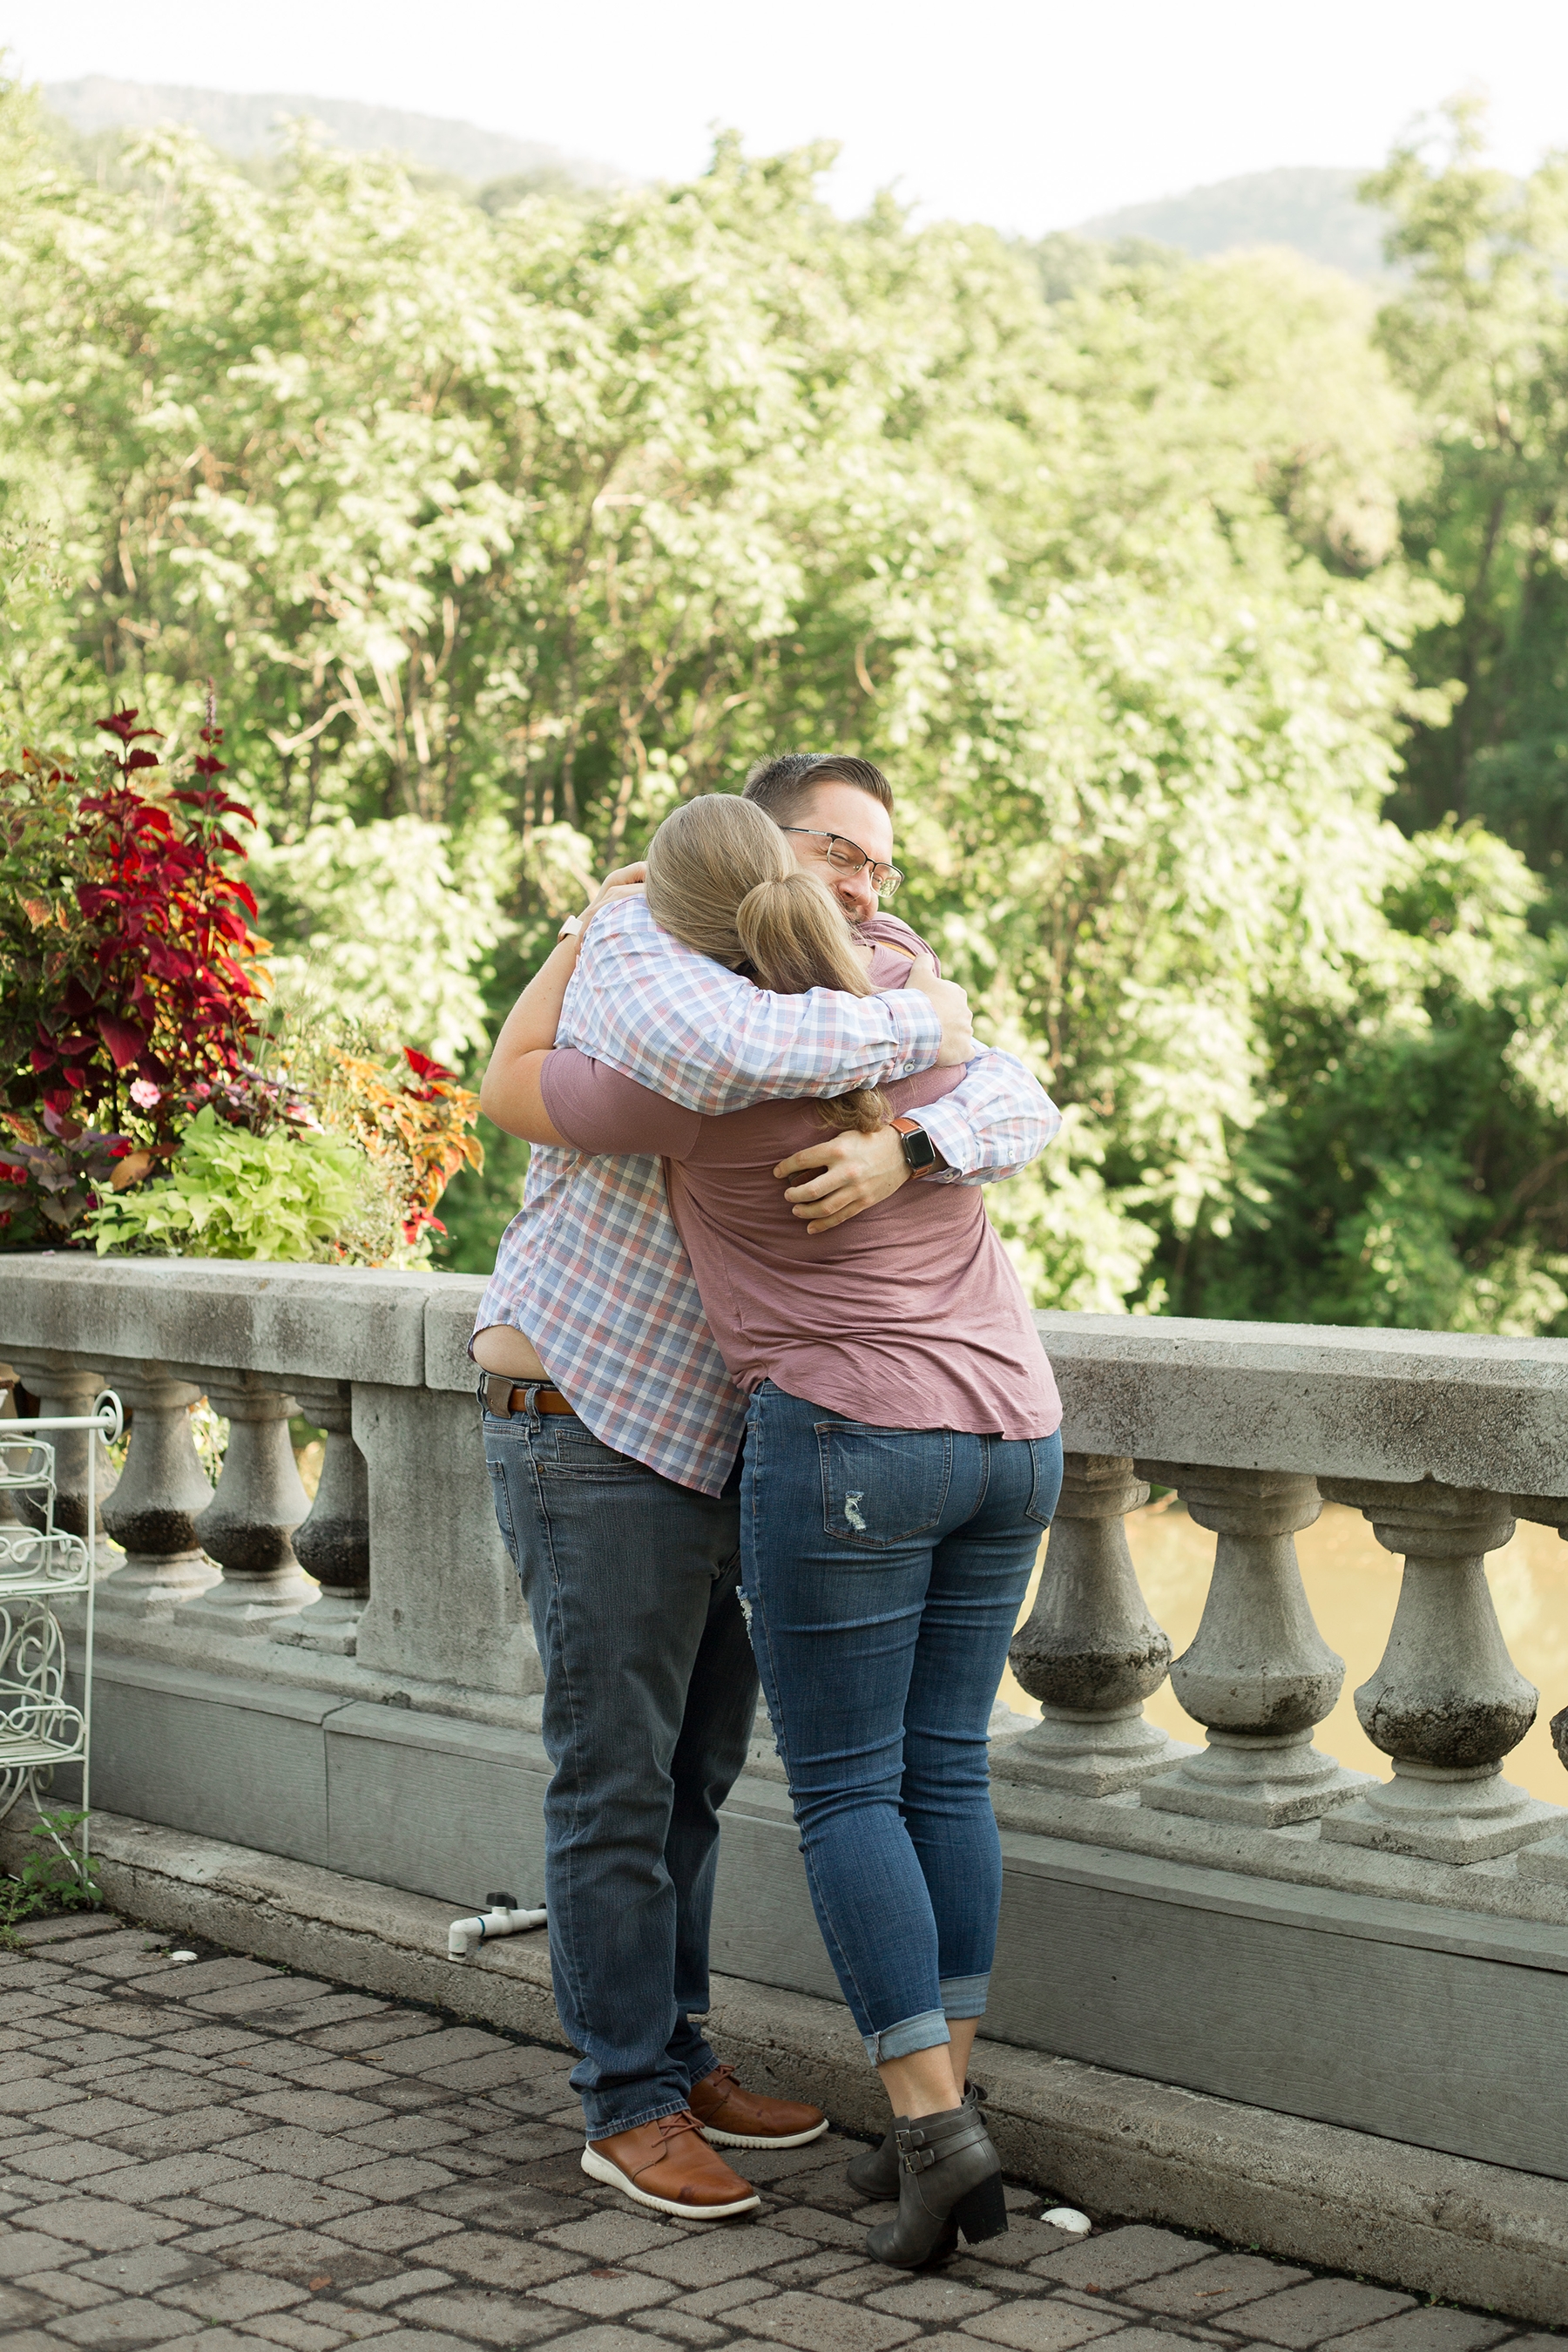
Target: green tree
x,y
498,529
1480,338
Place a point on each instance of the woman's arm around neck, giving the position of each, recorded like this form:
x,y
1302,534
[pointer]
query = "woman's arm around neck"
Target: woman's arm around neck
x,y
508,1091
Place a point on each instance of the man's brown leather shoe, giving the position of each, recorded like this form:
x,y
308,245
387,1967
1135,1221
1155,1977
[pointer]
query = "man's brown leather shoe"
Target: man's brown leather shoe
x,y
733,2117
668,2165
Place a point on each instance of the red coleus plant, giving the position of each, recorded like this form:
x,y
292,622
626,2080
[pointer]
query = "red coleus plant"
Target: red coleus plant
x,y
162,992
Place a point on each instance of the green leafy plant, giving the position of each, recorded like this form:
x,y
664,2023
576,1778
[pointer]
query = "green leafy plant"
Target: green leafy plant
x,y
131,984
1152,583
230,1193
56,1875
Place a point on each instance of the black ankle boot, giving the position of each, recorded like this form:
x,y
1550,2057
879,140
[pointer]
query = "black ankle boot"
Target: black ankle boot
x,y
950,2180
875,2171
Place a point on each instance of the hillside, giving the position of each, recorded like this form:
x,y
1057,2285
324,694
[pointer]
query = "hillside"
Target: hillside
x,y
248,125
1308,207
1311,208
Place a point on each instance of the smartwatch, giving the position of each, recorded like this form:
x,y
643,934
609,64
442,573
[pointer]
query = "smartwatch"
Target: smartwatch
x,y
919,1151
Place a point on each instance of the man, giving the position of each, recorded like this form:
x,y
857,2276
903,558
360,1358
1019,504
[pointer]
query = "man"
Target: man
x,y
612,1432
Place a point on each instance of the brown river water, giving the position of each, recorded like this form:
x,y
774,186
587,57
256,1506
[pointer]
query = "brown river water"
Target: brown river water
x,y
1353,1585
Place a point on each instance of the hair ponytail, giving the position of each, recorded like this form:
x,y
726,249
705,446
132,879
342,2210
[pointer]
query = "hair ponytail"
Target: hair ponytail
x,y
722,878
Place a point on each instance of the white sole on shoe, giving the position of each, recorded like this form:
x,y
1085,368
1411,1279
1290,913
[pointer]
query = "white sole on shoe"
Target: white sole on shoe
x,y
763,2139
599,2168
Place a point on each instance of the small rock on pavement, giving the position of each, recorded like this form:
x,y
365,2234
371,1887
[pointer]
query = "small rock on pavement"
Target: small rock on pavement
x,y
1068,2217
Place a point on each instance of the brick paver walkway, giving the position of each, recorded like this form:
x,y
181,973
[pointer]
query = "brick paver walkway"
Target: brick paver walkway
x,y
220,2148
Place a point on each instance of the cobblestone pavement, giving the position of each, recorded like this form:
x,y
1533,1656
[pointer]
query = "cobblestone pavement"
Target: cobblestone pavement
x,y
220,2148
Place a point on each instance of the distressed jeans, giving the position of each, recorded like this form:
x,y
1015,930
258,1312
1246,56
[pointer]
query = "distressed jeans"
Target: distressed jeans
x,y
884,1570
650,1691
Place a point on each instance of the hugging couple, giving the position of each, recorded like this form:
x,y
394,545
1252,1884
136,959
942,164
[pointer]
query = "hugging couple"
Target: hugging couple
x,y
761,1395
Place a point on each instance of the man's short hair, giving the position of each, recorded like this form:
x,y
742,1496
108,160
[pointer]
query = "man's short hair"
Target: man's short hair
x,y
783,785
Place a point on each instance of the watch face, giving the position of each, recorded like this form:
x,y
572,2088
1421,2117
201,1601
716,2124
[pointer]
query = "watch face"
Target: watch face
x,y
919,1151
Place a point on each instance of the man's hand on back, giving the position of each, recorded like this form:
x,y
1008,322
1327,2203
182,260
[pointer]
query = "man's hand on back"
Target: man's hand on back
x,y
855,1171
951,1007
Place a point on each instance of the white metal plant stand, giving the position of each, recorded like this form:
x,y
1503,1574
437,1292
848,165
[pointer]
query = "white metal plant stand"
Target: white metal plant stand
x,y
40,1564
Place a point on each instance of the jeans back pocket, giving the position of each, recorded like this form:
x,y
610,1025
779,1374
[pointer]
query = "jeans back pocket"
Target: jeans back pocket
x,y
882,1485
1046,1469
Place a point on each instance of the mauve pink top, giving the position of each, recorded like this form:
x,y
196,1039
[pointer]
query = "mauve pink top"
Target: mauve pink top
x,y
909,1316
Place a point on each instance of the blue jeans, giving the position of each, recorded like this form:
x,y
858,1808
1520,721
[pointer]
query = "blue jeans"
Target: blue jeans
x,y
884,1573
650,1692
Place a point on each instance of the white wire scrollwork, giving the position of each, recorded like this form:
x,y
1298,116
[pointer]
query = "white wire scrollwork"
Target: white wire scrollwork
x,y
33,1551
39,1725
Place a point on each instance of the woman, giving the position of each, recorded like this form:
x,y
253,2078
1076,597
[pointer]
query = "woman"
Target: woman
x,y
901,1460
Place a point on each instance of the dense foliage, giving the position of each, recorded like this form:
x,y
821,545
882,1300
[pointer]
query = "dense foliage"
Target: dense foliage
x,y
152,1097
1480,334
128,960
501,532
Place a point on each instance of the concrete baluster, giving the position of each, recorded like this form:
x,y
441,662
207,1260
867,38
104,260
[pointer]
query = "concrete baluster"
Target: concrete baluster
x,y
1447,1701
333,1543
64,1384
163,1489
1549,1857
256,1506
1259,1675
444,1602
1090,1653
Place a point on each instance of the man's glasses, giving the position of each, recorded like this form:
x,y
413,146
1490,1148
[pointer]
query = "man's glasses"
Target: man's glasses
x,y
847,856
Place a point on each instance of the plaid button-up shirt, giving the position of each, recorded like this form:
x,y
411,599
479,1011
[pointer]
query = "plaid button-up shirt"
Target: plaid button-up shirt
x,y
591,1267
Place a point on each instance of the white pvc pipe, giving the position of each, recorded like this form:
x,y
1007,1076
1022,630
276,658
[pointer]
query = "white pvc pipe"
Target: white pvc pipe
x,y
464,1934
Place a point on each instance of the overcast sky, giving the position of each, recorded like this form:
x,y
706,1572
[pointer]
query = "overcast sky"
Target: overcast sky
x,y
1030,114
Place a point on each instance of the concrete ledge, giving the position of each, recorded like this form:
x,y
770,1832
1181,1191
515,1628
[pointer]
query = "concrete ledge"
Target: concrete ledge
x,y
1435,2224
1329,1402
450,1312
321,1322
1300,1855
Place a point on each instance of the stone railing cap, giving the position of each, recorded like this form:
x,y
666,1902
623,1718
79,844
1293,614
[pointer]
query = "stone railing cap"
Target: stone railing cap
x,y
323,1322
1397,1406
1392,1405
450,1312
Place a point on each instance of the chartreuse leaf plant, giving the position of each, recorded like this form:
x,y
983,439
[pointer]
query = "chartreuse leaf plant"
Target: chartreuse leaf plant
x,y
230,1193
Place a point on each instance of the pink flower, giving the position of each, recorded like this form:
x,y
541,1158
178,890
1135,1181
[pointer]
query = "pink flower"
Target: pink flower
x,y
145,1094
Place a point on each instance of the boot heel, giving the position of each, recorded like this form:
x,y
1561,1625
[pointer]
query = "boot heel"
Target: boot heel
x,y
982,2212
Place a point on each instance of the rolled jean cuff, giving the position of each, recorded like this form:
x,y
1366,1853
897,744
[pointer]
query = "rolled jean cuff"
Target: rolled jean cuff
x,y
964,1996
701,2066
926,2031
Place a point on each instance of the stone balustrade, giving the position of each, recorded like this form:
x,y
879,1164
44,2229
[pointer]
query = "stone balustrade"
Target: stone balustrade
x,y
377,1361
1429,1436
352,1682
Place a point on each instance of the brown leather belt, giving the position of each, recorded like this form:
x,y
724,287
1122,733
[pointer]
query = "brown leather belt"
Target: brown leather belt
x,y
544,1401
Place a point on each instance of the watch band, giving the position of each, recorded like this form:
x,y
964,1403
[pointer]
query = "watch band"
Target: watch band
x,y
569,929
920,1153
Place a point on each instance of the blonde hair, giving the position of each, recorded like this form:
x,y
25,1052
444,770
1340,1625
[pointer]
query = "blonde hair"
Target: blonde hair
x,y
722,878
